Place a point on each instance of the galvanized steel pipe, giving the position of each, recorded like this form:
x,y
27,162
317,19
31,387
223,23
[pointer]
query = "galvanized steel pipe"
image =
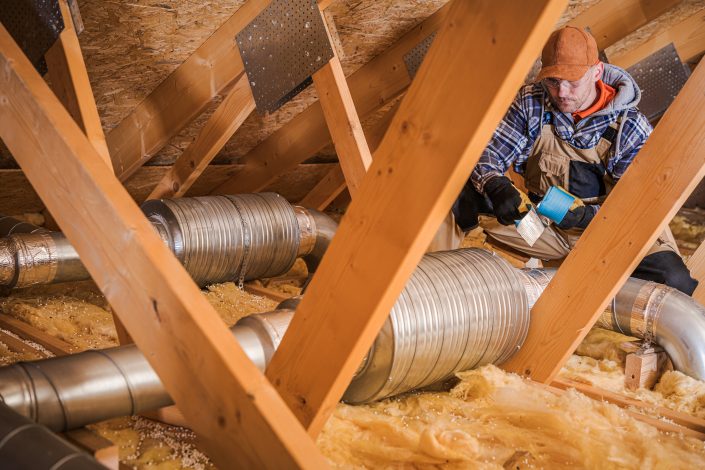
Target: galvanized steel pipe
x,y
216,238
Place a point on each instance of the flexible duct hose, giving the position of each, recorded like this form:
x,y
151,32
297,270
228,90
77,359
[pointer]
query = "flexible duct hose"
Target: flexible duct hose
x,y
216,238
459,310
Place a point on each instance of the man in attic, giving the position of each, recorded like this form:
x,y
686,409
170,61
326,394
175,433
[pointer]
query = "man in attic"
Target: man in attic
x,y
576,127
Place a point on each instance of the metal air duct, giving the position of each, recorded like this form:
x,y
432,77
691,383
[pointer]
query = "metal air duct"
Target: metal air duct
x,y
216,238
459,310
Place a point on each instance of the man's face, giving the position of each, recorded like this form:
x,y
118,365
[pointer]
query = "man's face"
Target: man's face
x,y
571,97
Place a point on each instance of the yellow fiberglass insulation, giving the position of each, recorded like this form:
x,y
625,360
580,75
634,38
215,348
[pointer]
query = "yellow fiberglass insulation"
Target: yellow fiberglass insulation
x,y
492,419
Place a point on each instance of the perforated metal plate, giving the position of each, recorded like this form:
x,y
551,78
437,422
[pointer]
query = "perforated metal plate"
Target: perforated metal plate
x,y
281,48
414,58
660,77
34,24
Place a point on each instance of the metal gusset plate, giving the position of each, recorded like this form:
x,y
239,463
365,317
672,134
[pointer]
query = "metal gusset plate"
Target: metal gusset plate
x,y
414,58
34,25
281,48
660,77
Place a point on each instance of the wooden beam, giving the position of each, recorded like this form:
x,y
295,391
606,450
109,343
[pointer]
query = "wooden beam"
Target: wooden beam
x,y
688,37
372,86
696,264
343,123
69,80
415,176
610,21
220,391
333,183
262,291
103,450
662,425
665,172
682,419
325,192
17,345
51,343
182,96
221,126
18,197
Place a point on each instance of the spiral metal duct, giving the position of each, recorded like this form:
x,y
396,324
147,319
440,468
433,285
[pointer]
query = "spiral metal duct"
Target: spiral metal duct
x,y
68,392
216,238
459,310
220,238
21,438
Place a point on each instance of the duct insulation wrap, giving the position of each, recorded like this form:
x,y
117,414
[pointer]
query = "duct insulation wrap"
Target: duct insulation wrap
x,y
460,309
221,238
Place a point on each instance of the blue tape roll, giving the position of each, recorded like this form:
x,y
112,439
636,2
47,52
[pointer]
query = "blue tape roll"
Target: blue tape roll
x,y
555,204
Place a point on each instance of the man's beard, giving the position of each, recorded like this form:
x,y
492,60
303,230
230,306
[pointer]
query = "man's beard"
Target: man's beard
x,y
567,106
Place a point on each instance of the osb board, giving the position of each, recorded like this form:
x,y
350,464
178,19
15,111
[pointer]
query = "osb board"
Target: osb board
x,y
18,197
131,46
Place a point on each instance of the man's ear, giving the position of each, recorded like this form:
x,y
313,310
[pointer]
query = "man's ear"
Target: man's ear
x,y
598,70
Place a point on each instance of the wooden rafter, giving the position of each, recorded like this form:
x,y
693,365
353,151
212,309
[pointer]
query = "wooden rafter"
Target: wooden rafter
x,y
343,122
416,174
333,183
688,37
182,96
610,21
665,172
225,398
221,126
69,80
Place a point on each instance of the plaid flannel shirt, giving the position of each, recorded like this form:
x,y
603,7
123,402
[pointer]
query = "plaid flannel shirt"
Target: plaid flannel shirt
x,y
513,140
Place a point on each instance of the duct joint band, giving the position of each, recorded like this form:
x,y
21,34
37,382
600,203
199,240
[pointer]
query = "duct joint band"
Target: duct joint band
x,y
639,317
246,243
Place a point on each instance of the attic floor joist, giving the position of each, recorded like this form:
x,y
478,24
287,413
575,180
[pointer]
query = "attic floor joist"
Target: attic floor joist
x,y
226,399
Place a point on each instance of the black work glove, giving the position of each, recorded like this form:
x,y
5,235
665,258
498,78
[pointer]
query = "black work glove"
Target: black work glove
x,y
505,199
579,217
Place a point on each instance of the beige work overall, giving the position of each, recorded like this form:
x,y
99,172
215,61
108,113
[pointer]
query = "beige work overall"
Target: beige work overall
x,y
548,165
